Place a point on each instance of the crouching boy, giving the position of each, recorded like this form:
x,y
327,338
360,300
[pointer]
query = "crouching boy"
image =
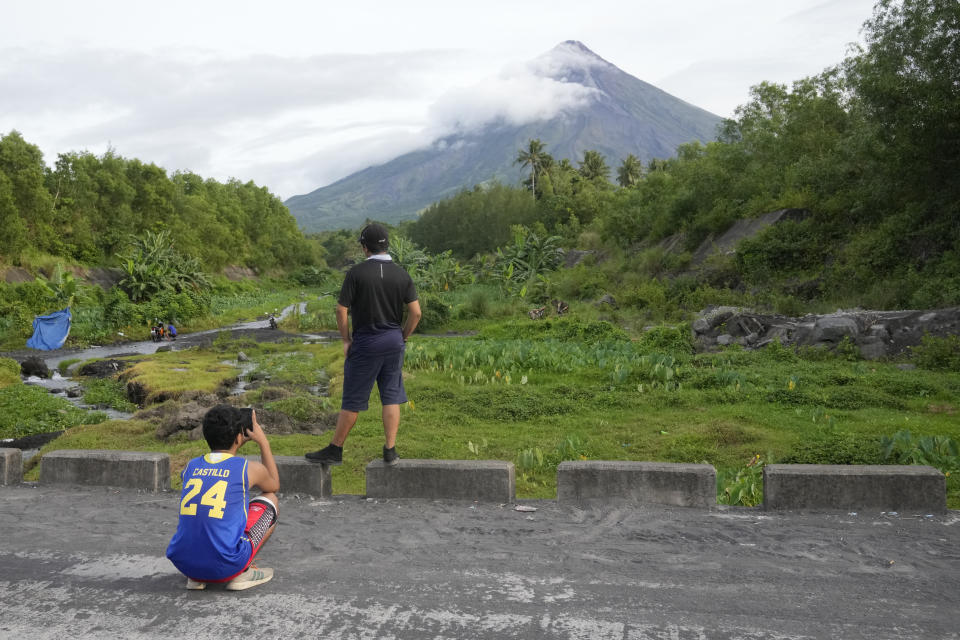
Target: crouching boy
x,y
221,529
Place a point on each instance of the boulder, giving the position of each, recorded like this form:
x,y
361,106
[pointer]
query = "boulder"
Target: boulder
x,y
102,368
34,366
877,334
608,300
834,329
187,417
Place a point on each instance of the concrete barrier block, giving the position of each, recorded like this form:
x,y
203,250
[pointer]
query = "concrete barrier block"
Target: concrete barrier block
x,y
297,475
854,487
680,485
128,469
11,466
481,480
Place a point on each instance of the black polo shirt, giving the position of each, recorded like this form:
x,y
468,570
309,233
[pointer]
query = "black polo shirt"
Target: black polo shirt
x,y
376,292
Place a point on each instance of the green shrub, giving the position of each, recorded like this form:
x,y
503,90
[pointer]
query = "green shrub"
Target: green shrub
x,y
691,448
10,365
9,372
650,295
476,306
675,340
26,410
435,310
827,446
743,486
564,329
852,398
937,354
107,392
582,282
302,408
941,452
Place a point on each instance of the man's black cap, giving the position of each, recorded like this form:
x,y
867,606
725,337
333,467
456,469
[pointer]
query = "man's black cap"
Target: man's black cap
x,y
374,237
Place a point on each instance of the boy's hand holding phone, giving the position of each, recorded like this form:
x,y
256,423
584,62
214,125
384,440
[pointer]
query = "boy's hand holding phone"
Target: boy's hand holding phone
x,y
251,428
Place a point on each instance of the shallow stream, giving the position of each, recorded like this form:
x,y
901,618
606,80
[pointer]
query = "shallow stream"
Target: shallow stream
x,y
60,385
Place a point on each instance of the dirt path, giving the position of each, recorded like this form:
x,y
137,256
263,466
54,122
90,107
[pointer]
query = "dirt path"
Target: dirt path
x,y
89,563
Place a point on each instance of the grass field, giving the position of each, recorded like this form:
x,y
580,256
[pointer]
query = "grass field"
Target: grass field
x,y
538,394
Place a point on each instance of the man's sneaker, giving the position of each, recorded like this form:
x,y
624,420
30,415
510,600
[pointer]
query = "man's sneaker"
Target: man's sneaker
x,y
390,456
331,455
250,578
195,585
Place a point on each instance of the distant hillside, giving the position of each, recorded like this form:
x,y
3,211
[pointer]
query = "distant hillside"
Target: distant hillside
x,y
624,115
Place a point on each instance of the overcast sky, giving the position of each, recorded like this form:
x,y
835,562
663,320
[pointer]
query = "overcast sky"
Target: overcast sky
x,y
297,94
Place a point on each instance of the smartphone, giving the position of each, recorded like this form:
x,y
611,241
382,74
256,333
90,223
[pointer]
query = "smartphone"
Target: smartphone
x,y
246,422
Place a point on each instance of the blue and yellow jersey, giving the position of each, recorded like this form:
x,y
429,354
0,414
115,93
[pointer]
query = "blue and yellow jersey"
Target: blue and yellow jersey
x,y
210,543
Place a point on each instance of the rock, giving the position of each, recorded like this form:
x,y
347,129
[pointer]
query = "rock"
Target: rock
x,y
608,299
74,392
186,417
872,348
712,317
242,357
876,334
573,257
164,348
906,366
136,393
834,329
102,368
34,366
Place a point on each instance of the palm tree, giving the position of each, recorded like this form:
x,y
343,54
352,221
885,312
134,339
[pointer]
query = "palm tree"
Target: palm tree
x,y
630,171
593,165
534,156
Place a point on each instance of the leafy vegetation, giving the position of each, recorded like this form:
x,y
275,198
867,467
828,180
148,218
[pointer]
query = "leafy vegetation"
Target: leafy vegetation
x,y
27,410
107,392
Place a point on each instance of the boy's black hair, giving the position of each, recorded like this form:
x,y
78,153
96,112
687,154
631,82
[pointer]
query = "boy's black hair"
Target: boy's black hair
x,y
221,424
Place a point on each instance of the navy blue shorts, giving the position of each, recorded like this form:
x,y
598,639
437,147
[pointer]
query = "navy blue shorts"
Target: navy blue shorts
x,y
373,357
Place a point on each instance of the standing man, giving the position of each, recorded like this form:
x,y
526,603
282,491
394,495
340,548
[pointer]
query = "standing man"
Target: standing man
x,y
375,292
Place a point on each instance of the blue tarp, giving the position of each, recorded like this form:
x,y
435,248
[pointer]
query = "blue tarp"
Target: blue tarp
x,y
50,331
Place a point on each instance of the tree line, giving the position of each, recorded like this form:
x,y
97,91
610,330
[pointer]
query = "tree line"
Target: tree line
x,y
91,209
871,147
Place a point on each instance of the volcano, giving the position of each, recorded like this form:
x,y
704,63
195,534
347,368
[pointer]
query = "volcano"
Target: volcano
x,y
609,111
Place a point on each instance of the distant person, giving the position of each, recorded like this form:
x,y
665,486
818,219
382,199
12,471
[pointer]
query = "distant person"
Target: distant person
x,y
221,529
375,292
171,332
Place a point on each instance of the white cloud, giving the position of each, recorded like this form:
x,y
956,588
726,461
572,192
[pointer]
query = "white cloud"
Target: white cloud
x,y
537,90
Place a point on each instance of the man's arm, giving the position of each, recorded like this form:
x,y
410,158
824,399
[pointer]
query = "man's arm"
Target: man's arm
x,y
343,326
263,474
413,318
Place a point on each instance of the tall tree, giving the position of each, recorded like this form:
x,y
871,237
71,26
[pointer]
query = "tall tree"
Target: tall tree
x,y
22,164
908,80
630,171
594,166
533,156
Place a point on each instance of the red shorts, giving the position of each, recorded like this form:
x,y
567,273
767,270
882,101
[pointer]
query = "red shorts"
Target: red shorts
x,y
261,515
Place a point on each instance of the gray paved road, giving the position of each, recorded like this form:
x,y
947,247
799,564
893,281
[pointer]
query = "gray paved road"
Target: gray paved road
x,y
89,563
